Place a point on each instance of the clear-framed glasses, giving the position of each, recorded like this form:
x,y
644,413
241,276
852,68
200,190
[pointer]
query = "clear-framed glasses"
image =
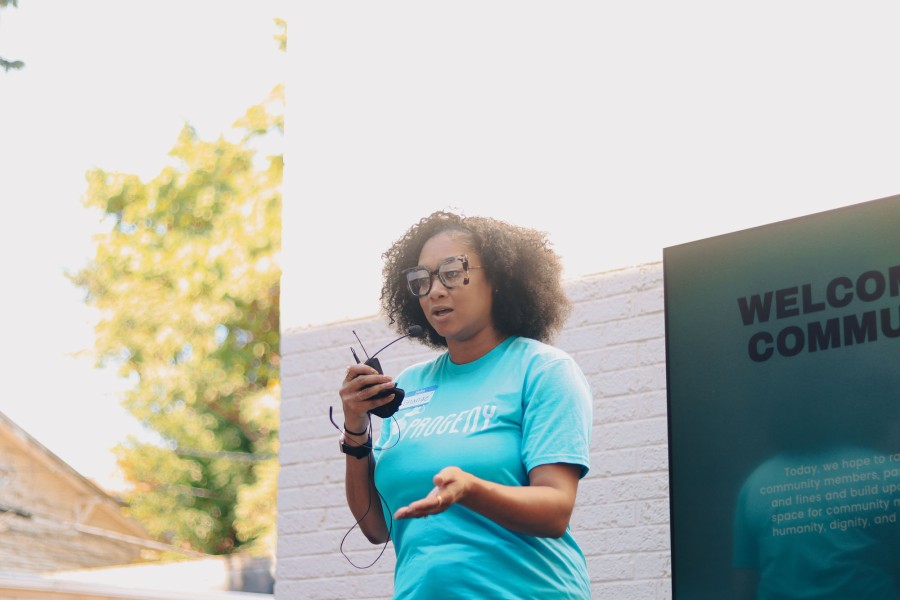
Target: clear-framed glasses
x,y
452,272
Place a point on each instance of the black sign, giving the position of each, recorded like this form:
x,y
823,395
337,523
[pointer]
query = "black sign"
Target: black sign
x,y
783,367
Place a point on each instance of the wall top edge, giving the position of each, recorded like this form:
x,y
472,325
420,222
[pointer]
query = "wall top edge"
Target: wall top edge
x,y
638,267
573,280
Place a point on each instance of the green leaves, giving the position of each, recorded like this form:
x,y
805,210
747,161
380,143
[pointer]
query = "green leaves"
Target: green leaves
x,y
187,282
8,65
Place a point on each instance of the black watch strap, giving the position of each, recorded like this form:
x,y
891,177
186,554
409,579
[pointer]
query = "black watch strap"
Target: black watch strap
x,y
356,450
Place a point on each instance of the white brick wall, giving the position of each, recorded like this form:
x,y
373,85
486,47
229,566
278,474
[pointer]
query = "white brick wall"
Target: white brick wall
x,y
621,520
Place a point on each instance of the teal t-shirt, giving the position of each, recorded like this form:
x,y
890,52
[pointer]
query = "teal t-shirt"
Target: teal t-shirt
x,y
522,405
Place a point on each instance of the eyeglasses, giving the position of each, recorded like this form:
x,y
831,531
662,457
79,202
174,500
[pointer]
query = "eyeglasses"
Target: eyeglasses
x,y
451,271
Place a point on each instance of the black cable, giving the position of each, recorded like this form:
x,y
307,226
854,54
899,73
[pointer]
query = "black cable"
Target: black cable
x,y
370,487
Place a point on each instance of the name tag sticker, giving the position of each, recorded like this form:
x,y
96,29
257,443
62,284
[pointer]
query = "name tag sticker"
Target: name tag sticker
x,y
418,398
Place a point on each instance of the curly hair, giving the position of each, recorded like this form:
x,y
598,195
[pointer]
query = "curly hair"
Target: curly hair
x,y
529,300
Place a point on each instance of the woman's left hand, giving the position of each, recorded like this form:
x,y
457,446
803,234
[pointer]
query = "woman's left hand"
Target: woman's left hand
x,y
542,508
450,487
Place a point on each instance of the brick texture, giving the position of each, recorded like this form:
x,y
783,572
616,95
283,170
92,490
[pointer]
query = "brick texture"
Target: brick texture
x,y
621,520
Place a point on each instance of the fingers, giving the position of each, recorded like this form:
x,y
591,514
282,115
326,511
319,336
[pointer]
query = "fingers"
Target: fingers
x,y
362,382
358,395
447,476
360,385
434,503
354,371
451,485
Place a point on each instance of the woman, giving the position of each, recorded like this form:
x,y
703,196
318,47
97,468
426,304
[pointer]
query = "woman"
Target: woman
x,y
492,436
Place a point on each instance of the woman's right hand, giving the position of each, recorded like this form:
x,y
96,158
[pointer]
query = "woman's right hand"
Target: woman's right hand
x,y
361,383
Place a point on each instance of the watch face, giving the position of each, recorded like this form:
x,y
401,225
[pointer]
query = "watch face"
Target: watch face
x,y
358,451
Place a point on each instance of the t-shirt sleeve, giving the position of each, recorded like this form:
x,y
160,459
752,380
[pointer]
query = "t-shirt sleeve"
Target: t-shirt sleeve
x,y
556,424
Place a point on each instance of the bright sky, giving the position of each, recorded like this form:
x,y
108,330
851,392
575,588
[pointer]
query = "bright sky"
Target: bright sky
x,y
617,128
107,84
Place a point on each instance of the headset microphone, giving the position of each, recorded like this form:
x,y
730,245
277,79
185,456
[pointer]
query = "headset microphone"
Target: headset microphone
x,y
386,410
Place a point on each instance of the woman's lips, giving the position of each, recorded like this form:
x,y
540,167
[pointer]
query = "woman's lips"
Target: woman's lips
x,y
440,312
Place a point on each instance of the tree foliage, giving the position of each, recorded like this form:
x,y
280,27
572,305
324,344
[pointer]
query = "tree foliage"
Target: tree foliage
x,y
187,284
14,64
281,36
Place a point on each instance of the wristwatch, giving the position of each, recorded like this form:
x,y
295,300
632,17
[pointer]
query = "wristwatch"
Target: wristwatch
x,y
357,450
